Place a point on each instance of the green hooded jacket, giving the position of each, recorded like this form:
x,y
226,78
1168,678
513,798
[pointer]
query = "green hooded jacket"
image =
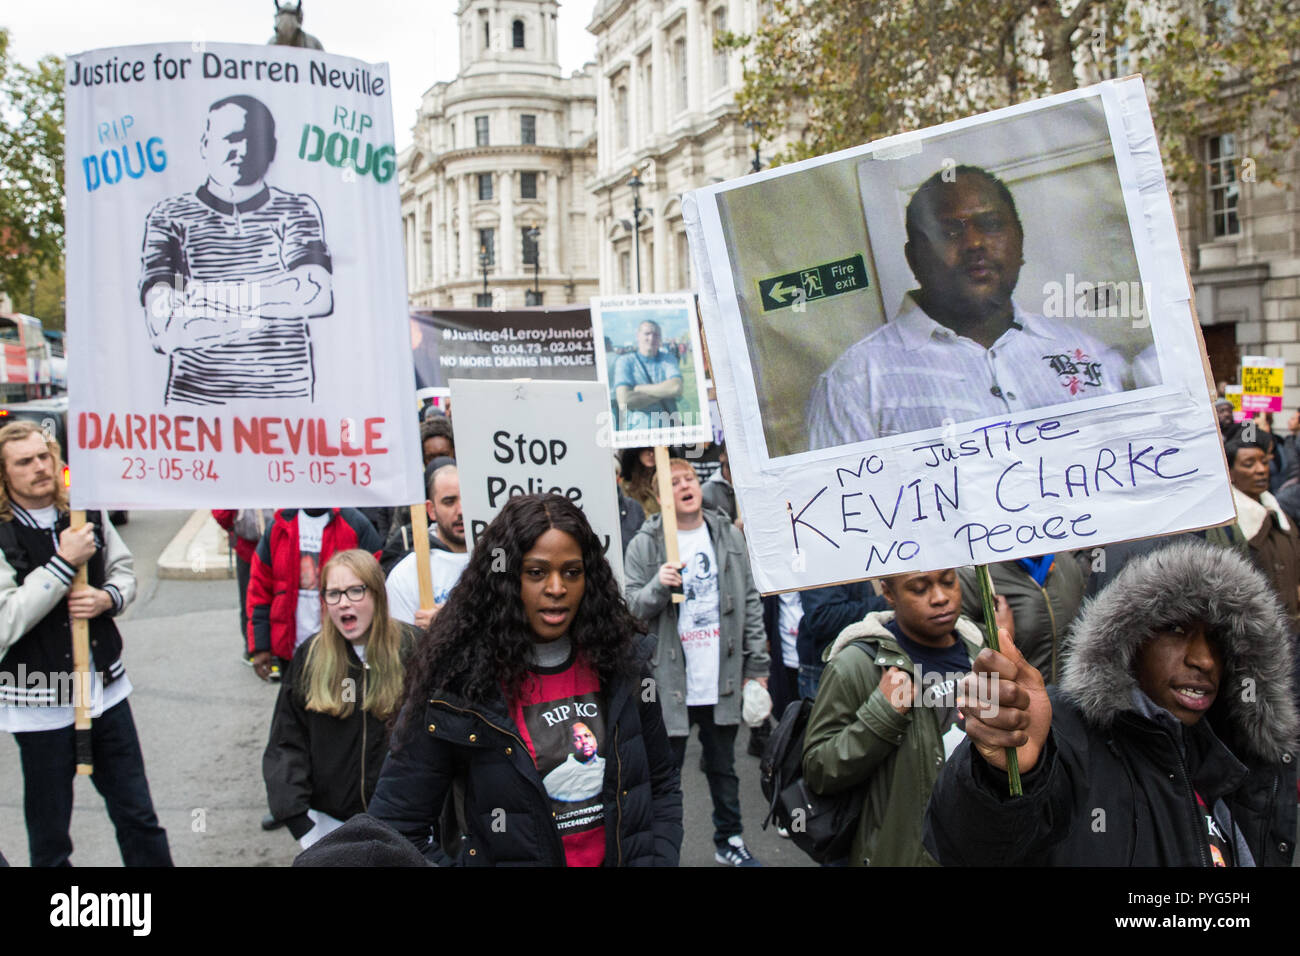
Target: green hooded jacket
x,y
855,738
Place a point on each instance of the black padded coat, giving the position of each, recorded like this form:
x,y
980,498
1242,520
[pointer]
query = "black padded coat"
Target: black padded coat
x,y
506,817
1116,783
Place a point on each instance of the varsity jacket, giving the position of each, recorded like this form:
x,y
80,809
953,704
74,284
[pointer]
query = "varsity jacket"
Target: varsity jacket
x,y
273,577
35,631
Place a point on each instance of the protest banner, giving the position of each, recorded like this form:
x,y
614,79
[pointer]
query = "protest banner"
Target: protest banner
x,y
525,438
961,345
552,344
1233,393
1261,384
235,284
653,366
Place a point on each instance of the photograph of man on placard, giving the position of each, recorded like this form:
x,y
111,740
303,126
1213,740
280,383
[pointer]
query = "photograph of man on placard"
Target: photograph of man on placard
x,y
653,368
959,348
962,276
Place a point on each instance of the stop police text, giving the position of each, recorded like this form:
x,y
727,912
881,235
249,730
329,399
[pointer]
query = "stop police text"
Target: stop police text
x,y
514,449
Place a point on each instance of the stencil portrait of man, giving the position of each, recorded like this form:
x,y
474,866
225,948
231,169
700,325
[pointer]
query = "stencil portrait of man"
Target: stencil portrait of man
x,y
231,272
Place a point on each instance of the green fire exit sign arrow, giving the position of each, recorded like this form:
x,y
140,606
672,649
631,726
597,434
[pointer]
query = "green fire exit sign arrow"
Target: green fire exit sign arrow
x,y
815,282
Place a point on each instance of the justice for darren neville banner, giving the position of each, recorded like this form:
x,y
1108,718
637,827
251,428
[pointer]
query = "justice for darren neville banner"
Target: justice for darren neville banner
x,y
963,345
235,284
549,344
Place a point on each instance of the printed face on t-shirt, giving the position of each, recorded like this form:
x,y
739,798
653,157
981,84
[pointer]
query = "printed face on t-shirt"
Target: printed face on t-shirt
x,y
584,742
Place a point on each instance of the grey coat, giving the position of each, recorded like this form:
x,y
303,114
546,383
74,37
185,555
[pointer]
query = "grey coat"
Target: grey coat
x,y
742,639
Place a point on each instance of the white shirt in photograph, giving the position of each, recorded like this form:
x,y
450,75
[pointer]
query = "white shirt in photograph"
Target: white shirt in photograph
x,y
913,374
697,616
403,583
311,531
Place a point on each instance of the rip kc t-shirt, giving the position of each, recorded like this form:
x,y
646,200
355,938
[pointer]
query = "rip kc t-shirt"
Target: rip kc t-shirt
x,y
560,713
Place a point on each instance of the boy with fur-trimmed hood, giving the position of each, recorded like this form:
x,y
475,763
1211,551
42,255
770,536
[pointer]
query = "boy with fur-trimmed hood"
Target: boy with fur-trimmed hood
x,y
1170,742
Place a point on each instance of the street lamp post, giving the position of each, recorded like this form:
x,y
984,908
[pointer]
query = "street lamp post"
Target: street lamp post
x,y
484,260
533,234
635,184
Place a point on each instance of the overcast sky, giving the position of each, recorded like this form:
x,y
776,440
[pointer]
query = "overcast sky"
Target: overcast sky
x,y
416,37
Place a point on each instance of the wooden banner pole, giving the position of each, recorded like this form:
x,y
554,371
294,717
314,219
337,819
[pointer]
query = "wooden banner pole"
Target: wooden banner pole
x,y
664,477
420,541
81,669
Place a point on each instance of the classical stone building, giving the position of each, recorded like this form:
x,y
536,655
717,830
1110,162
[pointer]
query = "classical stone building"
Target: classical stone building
x,y
666,113
506,148
1241,235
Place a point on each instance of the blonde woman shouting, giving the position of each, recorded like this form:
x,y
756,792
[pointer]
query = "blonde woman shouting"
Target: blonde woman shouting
x,y
328,736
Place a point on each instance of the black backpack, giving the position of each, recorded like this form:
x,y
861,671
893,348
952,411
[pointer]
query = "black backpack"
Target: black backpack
x,y
821,826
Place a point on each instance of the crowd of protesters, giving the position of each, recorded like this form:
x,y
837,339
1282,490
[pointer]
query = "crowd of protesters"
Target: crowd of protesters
x,y
541,715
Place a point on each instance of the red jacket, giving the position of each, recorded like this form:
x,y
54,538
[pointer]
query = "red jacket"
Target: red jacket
x,y
273,578
243,547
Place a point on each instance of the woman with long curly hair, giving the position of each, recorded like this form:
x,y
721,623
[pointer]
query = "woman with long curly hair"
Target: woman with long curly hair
x,y
530,694
329,734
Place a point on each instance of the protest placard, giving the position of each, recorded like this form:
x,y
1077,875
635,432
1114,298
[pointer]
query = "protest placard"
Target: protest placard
x,y
524,438
1233,393
235,285
654,368
552,344
1261,383
961,345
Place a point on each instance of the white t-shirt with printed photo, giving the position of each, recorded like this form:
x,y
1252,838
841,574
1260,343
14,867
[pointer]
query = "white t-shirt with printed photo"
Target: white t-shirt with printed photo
x,y
697,616
311,531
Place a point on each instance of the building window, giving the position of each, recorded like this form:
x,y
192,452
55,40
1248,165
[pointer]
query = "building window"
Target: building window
x,y
487,33
452,134
528,129
517,34
484,185
532,298
482,300
620,111
530,246
487,243
679,74
719,56
1221,158
645,114
481,131
625,271
527,185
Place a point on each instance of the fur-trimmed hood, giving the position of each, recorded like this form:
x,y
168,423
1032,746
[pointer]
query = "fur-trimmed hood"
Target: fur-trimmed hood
x,y
1180,584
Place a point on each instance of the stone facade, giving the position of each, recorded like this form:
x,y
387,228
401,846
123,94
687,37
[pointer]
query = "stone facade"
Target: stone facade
x,y
1244,258
666,112
506,146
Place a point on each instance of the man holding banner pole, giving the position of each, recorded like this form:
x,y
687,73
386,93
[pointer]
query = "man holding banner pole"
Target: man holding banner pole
x,y
40,557
709,645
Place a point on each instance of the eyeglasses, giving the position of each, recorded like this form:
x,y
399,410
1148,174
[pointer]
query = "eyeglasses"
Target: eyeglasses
x,y
354,593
